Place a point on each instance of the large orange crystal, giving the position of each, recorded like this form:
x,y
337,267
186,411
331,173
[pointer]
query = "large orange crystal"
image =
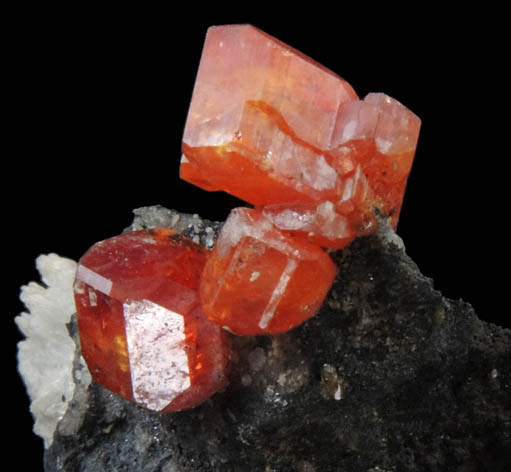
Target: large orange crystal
x,y
249,129
143,333
259,280
272,127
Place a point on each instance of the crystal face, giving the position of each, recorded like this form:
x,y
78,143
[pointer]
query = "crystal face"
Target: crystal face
x,y
251,110
273,127
377,135
142,331
319,224
259,280
278,130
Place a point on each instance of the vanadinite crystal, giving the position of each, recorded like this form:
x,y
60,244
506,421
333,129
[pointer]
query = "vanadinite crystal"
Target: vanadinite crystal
x,y
271,126
278,130
259,280
143,333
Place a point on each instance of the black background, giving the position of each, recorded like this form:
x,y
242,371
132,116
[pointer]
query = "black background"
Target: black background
x,y
98,102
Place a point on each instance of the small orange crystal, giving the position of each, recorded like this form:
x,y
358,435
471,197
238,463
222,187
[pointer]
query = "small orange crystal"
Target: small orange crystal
x,y
379,136
259,280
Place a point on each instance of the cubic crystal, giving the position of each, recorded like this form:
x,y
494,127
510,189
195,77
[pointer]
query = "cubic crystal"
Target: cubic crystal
x,y
143,333
259,280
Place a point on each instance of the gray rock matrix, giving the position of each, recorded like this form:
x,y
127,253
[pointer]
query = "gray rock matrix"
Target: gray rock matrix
x,y
389,376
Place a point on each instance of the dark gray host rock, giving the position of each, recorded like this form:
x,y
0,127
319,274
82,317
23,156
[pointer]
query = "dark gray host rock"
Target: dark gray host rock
x,y
389,376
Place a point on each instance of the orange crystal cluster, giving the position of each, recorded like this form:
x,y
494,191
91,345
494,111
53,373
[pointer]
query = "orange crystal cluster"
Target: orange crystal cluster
x,y
278,130
143,333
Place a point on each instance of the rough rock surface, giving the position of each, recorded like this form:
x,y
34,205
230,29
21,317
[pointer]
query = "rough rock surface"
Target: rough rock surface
x,y
389,376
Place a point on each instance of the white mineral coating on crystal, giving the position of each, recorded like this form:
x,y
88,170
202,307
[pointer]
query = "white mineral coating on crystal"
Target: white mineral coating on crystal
x,y
232,232
352,183
335,225
349,185
158,360
289,219
301,167
45,358
241,223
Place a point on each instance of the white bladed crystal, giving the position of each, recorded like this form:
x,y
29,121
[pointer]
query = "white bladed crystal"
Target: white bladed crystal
x,y
45,358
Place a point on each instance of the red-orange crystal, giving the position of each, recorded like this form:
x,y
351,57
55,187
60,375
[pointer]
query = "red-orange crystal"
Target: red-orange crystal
x,y
278,130
259,280
143,333
273,127
377,135
249,129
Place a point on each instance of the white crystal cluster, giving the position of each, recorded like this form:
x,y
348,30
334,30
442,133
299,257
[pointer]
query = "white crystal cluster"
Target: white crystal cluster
x,y
45,357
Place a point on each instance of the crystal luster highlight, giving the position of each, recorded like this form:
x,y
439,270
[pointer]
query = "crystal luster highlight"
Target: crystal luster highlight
x,y
259,280
271,126
290,137
142,331
276,129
